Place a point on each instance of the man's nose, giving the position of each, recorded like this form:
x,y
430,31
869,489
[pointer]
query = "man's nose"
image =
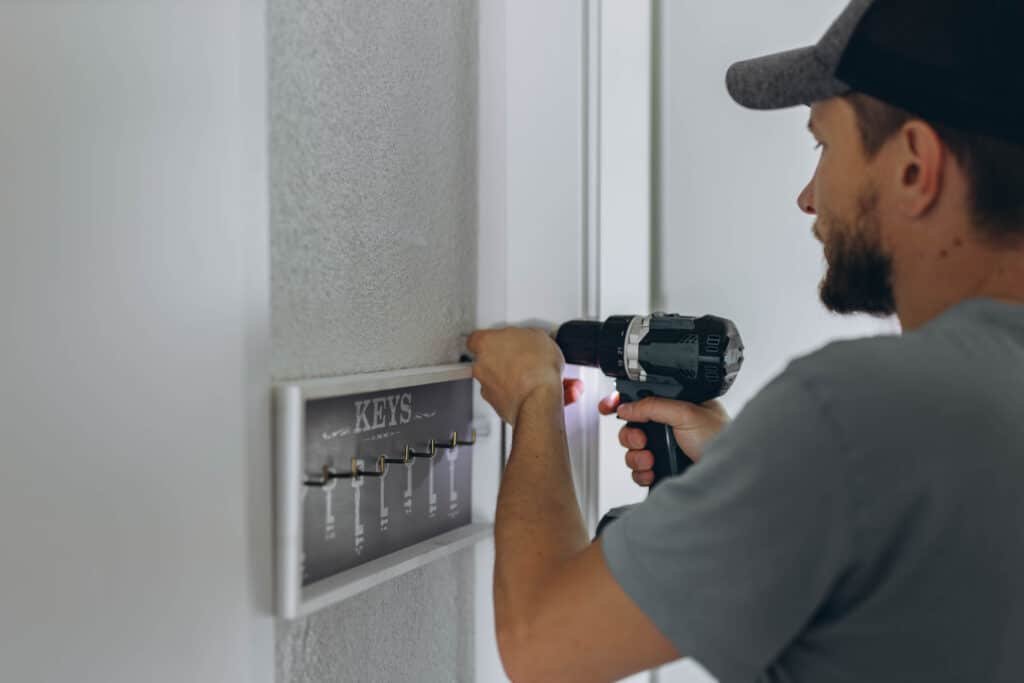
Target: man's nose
x,y
806,199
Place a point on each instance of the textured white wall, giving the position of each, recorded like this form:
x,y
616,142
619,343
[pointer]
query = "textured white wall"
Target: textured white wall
x,y
373,177
374,239
730,239
132,283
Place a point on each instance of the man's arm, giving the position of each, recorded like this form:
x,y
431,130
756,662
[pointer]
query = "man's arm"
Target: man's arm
x,y
729,563
560,614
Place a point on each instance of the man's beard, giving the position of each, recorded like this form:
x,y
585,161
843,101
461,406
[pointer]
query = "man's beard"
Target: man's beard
x,y
859,277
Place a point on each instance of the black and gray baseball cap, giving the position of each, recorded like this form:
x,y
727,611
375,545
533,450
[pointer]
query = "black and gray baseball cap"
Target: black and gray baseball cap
x,y
954,62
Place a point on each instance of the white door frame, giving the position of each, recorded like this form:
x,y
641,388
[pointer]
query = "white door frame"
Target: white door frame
x,y
564,209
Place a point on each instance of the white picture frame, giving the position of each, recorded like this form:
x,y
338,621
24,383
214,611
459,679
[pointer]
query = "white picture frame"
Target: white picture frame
x,y
293,600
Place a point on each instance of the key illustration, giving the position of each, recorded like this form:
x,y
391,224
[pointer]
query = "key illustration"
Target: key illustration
x,y
384,513
432,497
407,494
328,490
357,485
453,495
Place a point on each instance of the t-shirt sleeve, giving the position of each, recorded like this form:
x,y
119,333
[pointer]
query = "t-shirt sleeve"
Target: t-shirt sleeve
x,y
734,558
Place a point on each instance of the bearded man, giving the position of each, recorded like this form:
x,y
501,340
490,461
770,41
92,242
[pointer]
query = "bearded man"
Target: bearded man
x,y
862,519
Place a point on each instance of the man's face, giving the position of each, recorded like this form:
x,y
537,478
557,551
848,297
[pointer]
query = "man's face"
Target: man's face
x,y
845,198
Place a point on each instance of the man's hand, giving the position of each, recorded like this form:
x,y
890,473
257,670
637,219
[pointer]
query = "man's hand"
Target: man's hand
x,y
512,363
693,426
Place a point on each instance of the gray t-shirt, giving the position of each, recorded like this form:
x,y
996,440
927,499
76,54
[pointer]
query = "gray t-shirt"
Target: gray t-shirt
x,y
862,519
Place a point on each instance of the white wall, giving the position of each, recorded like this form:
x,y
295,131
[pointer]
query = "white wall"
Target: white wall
x,y
133,308
729,238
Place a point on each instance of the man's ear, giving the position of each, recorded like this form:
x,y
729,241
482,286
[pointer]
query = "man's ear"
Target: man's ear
x,y
921,160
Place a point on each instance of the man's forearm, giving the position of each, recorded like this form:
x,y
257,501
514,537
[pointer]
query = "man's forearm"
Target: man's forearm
x,y
538,524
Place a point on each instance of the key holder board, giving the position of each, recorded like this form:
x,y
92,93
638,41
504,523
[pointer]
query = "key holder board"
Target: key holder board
x,y
374,479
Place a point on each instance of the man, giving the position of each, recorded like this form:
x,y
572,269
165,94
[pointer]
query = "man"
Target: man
x,y
863,517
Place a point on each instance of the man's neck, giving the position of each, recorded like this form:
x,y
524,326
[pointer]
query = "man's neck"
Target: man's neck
x,y
981,271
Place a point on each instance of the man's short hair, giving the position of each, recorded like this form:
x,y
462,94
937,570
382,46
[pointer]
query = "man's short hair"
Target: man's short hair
x,y
994,167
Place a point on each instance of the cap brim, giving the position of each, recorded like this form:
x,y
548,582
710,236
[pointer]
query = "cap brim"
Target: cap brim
x,y
785,79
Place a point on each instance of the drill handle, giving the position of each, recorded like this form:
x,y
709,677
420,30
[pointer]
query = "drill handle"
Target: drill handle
x,y
669,458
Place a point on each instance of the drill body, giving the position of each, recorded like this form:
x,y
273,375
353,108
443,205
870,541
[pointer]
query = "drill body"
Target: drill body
x,y
667,355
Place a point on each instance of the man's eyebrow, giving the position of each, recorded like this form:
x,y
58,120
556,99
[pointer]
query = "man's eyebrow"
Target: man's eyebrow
x,y
810,125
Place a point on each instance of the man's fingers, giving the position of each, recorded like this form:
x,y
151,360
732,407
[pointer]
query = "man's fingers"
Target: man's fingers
x,y
655,409
572,390
473,341
640,461
631,437
608,404
644,478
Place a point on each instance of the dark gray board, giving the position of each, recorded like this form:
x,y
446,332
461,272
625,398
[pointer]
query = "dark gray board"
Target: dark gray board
x,y
339,428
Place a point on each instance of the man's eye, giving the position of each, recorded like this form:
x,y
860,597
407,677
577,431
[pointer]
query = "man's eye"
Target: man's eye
x,y
819,145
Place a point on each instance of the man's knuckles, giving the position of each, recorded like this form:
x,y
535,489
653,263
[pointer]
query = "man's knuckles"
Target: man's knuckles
x,y
640,461
630,437
666,411
476,341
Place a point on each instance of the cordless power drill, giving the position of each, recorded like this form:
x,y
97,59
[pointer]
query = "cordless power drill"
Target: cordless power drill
x,y
667,355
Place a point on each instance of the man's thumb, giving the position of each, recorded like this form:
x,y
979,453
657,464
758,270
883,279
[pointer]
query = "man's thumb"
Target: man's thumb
x,y
656,409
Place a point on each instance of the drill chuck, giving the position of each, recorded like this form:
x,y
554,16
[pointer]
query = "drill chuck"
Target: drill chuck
x,y
579,341
596,344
